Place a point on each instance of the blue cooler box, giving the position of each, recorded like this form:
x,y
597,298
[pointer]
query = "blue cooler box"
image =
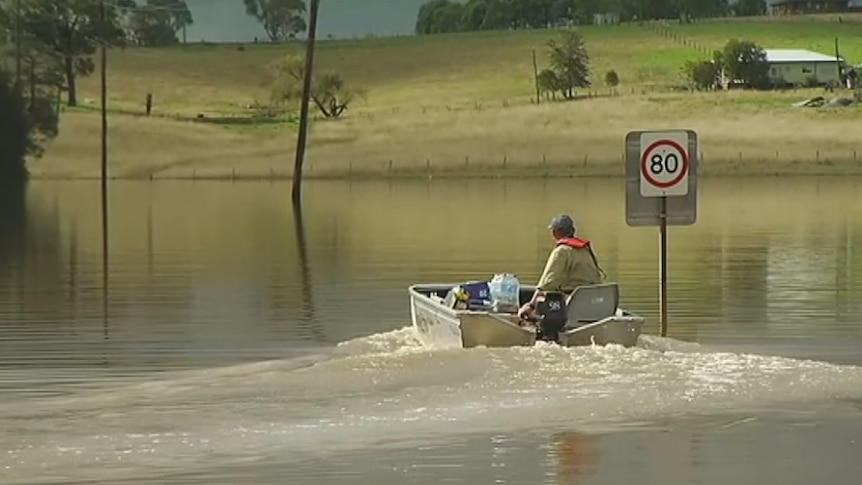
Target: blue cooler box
x,y
478,293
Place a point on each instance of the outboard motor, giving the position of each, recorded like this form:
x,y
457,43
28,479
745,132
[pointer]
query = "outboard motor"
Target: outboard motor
x,y
552,317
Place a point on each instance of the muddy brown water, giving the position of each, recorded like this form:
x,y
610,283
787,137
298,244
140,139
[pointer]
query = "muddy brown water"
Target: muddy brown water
x,y
236,349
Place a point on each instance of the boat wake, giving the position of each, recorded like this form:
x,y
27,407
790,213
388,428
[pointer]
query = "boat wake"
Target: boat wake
x,y
388,390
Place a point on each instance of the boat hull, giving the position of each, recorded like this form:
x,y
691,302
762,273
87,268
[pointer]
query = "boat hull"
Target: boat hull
x,y
441,327
622,330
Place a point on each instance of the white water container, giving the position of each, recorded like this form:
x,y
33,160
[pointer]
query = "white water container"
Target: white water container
x,y
505,292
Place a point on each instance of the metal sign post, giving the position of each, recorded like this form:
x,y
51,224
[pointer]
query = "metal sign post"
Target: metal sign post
x,y
661,189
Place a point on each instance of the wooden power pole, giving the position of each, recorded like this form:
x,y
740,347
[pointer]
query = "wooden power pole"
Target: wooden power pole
x,y
104,179
296,194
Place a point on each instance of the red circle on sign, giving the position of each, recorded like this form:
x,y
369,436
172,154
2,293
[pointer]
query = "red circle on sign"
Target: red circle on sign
x,y
646,174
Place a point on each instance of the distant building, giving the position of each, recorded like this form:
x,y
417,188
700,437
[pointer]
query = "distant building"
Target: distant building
x,y
801,67
792,7
798,67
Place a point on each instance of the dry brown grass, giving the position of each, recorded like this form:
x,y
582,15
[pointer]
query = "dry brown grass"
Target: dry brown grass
x,y
578,138
430,71
449,105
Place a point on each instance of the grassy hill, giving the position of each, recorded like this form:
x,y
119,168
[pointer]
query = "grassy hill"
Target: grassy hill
x,y
461,103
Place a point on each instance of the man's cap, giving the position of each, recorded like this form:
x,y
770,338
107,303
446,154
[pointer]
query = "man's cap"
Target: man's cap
x,y
562,222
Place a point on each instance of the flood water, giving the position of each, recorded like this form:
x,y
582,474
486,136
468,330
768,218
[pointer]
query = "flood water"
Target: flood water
x,y
239,345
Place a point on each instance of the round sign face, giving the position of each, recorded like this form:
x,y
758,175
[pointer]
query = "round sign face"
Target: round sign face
x,y
664,164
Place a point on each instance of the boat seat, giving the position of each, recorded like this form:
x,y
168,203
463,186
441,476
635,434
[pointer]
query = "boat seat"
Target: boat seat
x,y
591,303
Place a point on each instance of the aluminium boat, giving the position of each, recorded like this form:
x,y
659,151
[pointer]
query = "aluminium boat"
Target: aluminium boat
x,y
590,315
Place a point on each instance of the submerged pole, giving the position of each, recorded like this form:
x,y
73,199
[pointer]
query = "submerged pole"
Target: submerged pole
x,y
308,320
104,177
296,195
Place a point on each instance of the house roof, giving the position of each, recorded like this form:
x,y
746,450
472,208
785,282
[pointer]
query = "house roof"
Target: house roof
x,y
796,55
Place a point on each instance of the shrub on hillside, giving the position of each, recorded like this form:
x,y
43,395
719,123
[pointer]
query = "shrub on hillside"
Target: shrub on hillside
x,y
740,61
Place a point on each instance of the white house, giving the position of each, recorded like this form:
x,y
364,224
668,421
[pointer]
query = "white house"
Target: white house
x,y
799,66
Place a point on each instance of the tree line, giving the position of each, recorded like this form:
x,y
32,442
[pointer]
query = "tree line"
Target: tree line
x,y
442,16
61,36
46,45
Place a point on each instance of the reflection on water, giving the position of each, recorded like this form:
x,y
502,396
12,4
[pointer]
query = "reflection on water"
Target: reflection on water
x,y
308,317
106,263
198,268
209,279
573,455
13,224
717,451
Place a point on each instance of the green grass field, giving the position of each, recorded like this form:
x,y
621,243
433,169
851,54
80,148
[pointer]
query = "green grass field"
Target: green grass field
x,y
461,103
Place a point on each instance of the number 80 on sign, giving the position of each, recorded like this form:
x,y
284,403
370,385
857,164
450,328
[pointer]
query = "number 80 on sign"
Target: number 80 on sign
x,y
664,164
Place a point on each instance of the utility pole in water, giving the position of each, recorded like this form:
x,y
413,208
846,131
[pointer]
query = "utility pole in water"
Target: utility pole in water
x,y
103,68
296,194
104,94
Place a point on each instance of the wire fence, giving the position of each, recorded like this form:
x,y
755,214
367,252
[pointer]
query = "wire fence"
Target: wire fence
x,y
667,32
665,28
255,113
830,161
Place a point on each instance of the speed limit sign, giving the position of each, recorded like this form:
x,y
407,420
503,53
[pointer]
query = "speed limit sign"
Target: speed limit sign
x,y
664,164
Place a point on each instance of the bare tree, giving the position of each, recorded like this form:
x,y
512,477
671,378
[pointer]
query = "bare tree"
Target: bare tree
x,y
329,92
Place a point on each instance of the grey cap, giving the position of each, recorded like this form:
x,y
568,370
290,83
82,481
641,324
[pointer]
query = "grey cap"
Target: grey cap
x,y
562,222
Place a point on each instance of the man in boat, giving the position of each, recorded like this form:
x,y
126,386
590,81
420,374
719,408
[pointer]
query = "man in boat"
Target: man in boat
x,y
571,264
